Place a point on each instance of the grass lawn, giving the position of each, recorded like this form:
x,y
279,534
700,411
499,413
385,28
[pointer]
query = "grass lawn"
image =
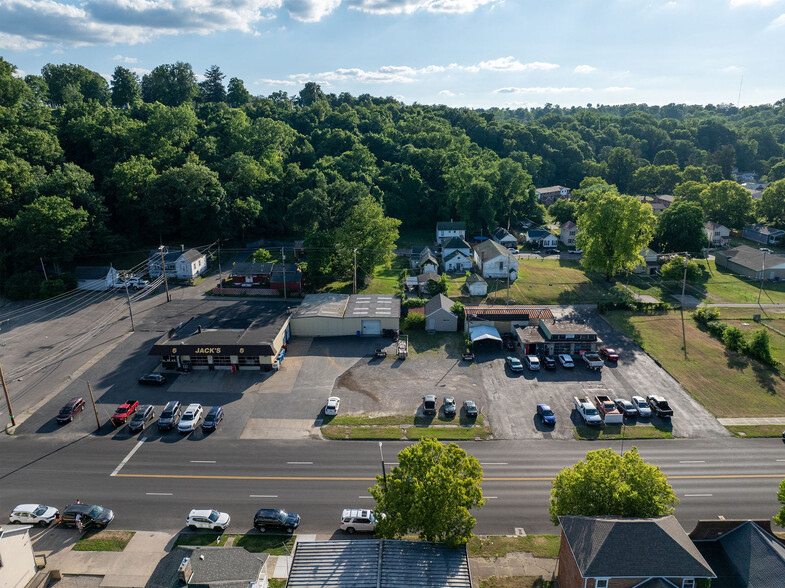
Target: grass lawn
x,y
501,545
610,432
550,281
333,432
383,281
756,430
276,583
516,582
742,318
398,420
448,433
198,539
104,541
449,344
404,425
726,383
272,544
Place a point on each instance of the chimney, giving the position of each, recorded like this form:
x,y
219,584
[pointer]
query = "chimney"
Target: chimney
x,y
198,328
182,247
184,572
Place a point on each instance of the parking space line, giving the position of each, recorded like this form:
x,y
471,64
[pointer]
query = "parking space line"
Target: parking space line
x,y
698,495
781,460
262,496
158,493
692,461
127,457
202,461
489,497
371,497
299,462
493,463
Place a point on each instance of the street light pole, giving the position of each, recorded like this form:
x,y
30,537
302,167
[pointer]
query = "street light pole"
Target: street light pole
x,y
163,269
11,410
384,471
683,288
762,276
128,296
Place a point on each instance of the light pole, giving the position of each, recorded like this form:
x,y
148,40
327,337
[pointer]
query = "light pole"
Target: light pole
x,y
384,471
683,288
762,274
163,270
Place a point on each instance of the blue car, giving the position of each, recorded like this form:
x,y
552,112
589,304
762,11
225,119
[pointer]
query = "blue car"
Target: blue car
x,y
546,414
212,419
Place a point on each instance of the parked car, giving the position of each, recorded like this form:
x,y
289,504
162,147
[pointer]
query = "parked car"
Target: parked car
x,y
565,360
170,416
548,362
271,518
546,414
214,416
332,406
449,407
357,519
533,363
90,515
514,363
553,251
124,412
206,518
190,419
153,379
641,406
470,409
34,514
71,408
576,251
429,404
659,406
609,354
626,407
142,417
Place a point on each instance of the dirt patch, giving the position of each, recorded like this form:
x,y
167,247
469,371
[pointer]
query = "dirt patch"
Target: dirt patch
x,y
349,381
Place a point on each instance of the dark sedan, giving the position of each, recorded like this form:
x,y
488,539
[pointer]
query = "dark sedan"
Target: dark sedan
x,y
153,379
142,417
71,408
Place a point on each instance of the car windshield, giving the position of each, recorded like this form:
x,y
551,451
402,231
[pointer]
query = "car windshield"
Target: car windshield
x,y
40,510
591,411
187,416
167,414
547,412
95,512
213,515
65,410
281,516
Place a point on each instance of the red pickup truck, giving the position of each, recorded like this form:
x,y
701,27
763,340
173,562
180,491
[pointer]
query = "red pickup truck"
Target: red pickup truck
x,y
125,410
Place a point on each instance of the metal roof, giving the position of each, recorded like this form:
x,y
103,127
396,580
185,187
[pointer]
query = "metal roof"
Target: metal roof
x,y
501,313
373,306
450,226
329,305
378,563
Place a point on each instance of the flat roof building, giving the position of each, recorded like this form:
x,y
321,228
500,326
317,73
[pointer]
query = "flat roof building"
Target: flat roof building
x,y
336,315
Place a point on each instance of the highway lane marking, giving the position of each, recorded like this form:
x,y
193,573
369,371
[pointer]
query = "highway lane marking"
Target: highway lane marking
x,y
494,463
202,461
262,496
127,457
159,493
364,479
698,495
693,461
299,462
489,497
781,460
365,497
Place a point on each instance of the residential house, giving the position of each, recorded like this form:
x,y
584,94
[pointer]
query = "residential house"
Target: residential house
x,y
181,264
763,234
419,251
428,263
753,186
420,282
743,554
448,230
549,195
17,561
97,278
476,285
751,262
569,231
665,199
438,316
211,567
650,262
619,552
495,261
250,274
542,238
551,337
457,262
456,244
503,237
290,274
656,205
718,235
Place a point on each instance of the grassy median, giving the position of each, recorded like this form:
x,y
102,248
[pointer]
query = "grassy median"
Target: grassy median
x,y
613,432
405,426
104,541
756,430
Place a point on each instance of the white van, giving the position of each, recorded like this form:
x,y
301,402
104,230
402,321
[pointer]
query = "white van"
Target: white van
x,y
533,362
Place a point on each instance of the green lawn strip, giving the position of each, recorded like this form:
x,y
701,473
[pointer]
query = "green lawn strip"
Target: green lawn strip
x,y
340,432
272,544
276,583
516,582
397,419
449,344
722,285
615,432
756,430
501,545
448,433
726,383
104,541
198,539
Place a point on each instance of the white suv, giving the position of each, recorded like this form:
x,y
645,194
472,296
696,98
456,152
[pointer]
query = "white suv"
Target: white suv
x,y
358,519
190,419
207,519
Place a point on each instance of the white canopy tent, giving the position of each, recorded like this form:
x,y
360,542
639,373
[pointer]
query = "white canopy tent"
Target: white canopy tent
x,y
484,333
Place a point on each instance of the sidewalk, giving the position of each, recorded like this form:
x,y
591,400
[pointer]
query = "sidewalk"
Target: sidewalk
x,y
753,421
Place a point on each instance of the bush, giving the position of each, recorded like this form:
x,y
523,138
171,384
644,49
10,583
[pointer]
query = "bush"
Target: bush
x,y
414,302
52,288
705,315
674,269
414,321
717,328
23,285
734,339
760,348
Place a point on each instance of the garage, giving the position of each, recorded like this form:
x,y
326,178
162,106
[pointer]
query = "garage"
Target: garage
x,y
340,315
372,327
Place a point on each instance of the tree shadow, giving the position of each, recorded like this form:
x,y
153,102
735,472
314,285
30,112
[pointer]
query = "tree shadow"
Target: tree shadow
x,y
735,361
766,377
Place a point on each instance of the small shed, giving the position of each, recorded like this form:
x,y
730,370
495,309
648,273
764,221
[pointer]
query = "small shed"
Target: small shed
x,y
95,278
438,316
476,285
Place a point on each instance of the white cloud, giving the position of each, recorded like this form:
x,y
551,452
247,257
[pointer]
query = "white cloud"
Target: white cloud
x,y
534,90
311,10
125,59
17,42
19,73
753,2
617,89
777,22
446,93
269,82
584,69
731,69
510,63
140,71
410,6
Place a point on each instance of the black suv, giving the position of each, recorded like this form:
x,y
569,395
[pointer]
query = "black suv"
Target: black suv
x,y
170,416
548,362
67,413
142,417
90,515
271,518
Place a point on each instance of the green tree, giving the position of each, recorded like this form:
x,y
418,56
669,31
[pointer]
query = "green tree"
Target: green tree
x,y
12,89
777,172
212,88
170,84
562,211
245,212
591,185
771,205
680,228
439,286
310,94
609,484
779,518
734,340
237,95
621,166
125,88
673,269
458,310
760,347
727,203
49,227
430,493
261,256
74,83
666,157
690,191
614,229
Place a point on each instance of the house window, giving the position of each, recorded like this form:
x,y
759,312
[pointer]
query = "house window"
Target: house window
x,y
601,583
501,265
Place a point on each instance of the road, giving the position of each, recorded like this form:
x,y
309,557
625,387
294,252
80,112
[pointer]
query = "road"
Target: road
x,y
164,478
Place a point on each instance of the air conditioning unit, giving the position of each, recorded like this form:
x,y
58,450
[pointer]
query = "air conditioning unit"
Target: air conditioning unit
x,y
184,572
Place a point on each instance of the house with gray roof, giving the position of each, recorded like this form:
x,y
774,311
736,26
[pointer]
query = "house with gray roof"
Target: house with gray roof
x,y
751,262
95,278
550,194
763,234
539,237
428,263
604,552
210,567
183,264
504,237
495,261
418,252
476,285
718,235
438,316
449,230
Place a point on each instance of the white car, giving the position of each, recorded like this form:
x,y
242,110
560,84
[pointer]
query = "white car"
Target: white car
x,y
333,403
206,518
34,514
565,360
190,419
358,519
533,362
641,406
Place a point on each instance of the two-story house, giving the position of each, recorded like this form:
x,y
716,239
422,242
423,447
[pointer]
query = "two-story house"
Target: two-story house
x,y
718,235
549,195
448,230
495,261
650,262
457,256
569,231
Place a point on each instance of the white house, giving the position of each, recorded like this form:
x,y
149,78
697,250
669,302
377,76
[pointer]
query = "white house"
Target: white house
x,y
476,286
183,265
569,231
719,235
419,251
428,263
650,265
457,262
456,244
99,278
541,238
495,261
17,561
503,236
438,316
447,230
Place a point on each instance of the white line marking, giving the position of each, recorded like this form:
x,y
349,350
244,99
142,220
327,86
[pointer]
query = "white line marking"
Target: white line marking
x,y
698,495
202,461
300,462
158,493
693,461
494,463
262,496
365,497
781,460
129,456
490,497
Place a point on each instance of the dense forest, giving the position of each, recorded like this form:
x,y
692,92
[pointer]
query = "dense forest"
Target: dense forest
x,y
89,165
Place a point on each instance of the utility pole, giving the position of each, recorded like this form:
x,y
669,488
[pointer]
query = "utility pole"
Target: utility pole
x,y
507,300
683,288
762,276
384,471
43,267
354,283
220,273
95,410
163,269
283,268
7,398
128,296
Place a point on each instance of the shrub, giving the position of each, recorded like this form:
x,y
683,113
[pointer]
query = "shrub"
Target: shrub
x,y
674,269
414,302
717,328
23,285
705,315
734,339
760,348
414,321
261,256
52,288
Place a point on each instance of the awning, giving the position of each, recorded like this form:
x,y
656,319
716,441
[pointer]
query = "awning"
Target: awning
x,y
483,333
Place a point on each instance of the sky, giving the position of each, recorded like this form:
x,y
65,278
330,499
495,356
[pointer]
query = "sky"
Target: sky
x,y
475,53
